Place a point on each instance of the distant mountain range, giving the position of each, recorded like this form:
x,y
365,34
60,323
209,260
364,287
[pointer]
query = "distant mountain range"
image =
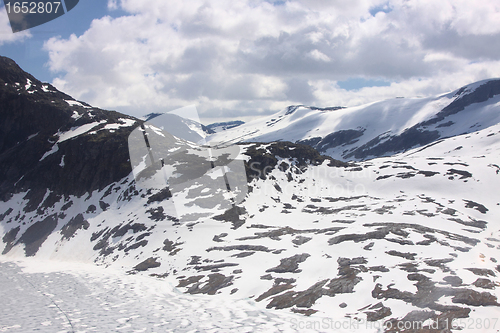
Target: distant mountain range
x,y
408,236
377,129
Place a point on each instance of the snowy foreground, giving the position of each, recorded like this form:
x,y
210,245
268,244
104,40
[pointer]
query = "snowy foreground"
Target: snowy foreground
x,y
50,296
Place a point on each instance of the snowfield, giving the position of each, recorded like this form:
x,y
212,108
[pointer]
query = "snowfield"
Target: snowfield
x,y
55,296
52,296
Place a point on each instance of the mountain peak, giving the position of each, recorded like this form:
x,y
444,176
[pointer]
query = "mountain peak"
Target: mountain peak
x,y
11,74
10,71
41,127
470,88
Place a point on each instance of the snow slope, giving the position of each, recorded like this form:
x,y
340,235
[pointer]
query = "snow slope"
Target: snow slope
x,y
50,296
380,128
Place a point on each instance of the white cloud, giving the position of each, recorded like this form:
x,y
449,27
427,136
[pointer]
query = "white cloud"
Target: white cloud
x,y
318,55
6,34
248,57
112,4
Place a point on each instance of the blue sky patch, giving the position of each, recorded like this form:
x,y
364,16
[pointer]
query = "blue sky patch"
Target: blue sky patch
x,y
358,83
382,8
29,53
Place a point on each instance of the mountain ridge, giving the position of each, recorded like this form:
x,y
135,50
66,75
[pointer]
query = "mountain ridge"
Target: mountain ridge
x,y
379,128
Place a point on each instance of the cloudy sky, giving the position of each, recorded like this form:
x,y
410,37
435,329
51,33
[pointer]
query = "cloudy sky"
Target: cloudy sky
x,y
238,59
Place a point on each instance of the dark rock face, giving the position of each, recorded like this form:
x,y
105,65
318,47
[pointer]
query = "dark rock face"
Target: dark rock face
x,y
37,233
147,264
9,239
379,311
481,94
303,299
264,158
410,138
225,125
290,264
344,283
232,215
292,108
32,117
334,139
215,282
475,205
78,222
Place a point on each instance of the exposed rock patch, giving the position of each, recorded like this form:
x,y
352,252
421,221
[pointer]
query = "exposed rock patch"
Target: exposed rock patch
x,y
76,223
290,265
147,264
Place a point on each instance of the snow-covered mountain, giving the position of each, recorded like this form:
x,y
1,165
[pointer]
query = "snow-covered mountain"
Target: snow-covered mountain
x,y
380,128
411,237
